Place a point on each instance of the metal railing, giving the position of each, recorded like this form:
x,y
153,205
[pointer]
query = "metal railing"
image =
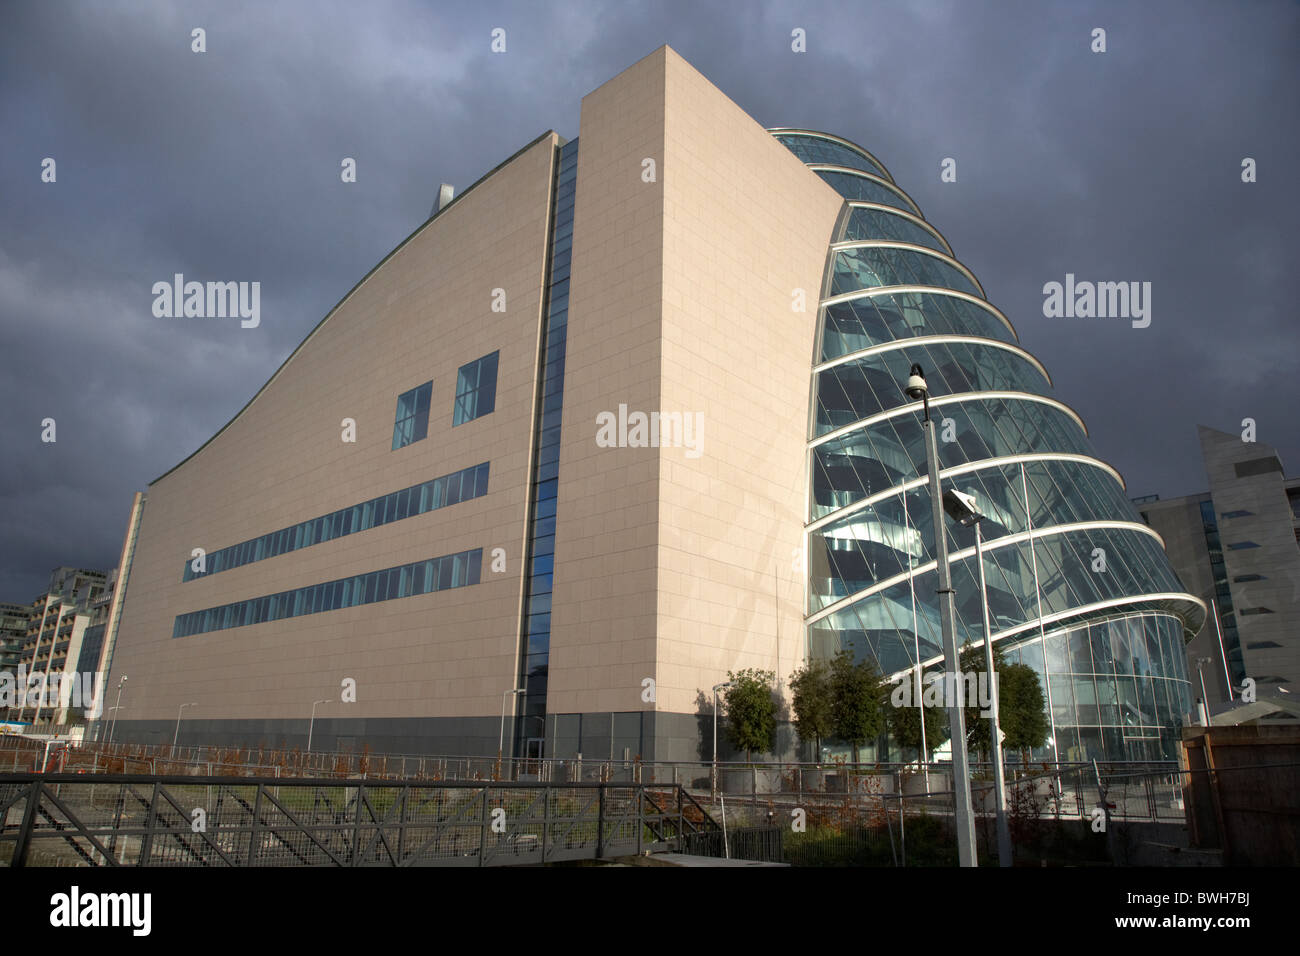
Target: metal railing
x,y
734,776
116,820
1140,791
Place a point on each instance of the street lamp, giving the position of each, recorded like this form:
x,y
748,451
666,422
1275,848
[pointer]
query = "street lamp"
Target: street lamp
x,y
961,507
113,724
311,725
716,688
964,819
1205,697
1223,651
176,735
501,738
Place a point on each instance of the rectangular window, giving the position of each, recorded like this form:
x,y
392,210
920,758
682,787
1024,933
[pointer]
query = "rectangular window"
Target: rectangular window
x,y
1257,466
453,488
476,389
412,419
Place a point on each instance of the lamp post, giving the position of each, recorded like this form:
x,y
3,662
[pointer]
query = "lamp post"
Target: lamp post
x,y
311,725
113,723
716,688
176,735
963,818
962,507
1227,678
922,758
1205,697
111,718
501,738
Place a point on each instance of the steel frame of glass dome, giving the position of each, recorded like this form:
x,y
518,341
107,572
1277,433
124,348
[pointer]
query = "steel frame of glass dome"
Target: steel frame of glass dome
x,y
1079,588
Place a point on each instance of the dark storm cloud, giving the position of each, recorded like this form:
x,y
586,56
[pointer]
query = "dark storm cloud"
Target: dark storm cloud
x,y
225,166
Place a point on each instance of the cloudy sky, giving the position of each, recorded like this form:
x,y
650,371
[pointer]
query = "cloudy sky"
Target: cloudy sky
x,y
1115,166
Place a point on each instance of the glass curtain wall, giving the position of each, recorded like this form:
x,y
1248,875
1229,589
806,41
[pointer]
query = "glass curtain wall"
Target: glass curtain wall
x,y
1078,587
535,643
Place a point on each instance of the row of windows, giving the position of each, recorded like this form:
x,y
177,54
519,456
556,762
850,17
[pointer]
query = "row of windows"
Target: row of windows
x,y
476,396
429,496
419,577
1222,592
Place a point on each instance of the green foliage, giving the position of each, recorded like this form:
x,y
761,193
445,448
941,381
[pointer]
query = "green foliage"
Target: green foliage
x,y
751,710
831,846
856,688
812,699
930,842
978,737
1022,709
905,725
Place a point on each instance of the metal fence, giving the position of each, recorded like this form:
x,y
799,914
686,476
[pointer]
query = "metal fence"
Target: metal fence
x,y
736,779
115,820
851,846
761,844
853,794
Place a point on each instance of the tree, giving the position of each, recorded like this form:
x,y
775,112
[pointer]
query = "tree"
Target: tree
x,y
978,735
812,698
856,689
751,711
1022,711
905,725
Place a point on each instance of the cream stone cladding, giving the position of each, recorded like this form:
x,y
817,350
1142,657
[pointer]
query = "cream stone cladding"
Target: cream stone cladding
x,y
604,605
420,315
673,567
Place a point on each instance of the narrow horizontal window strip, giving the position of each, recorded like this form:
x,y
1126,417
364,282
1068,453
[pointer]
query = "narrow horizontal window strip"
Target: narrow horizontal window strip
x,y
405,580
430,495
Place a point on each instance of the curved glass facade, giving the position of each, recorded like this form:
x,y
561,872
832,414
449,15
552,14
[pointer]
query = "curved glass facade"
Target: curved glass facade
x,y
869,267
817,148
859,387
850,324
873,222
854,185
1077,587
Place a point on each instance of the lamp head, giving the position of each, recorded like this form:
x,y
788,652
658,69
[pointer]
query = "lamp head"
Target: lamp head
x,y
916,387
961,507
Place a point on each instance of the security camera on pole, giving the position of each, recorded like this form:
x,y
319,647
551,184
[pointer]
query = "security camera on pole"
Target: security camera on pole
x,y
963,818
